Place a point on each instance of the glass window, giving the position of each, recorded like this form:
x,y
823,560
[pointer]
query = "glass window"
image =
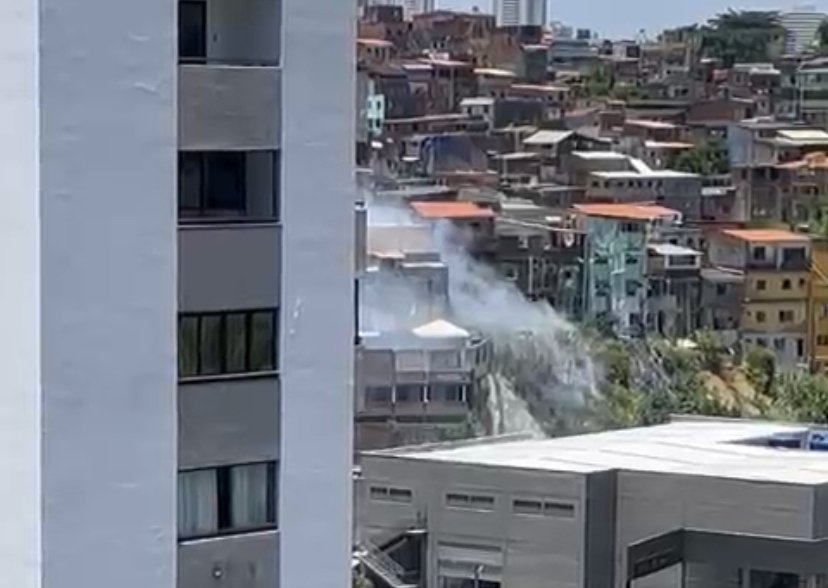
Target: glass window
x,y
263,341
210,346
786,284
761,284
188,345
252,495
226,181
378,395
531,507
236,342
192,29
408,393
197,503
190,182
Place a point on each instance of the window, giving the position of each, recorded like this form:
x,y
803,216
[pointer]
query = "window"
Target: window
x,y
192,30
211,183
761,285
631,286
779,344
822,340
228,499
721,289
408,393
546,508
389,494
802,282
786,316
760,316
759,253
470,501
447,393
800,347
227,343
375,395
786,284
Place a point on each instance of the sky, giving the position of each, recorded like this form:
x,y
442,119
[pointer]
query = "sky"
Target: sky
x,y
623,18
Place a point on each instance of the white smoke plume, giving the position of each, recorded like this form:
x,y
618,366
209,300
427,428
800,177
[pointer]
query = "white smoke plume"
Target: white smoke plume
x,y
544,378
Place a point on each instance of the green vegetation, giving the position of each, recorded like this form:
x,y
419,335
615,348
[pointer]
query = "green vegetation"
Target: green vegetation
x,y
822,37
743,37
707,159
645,384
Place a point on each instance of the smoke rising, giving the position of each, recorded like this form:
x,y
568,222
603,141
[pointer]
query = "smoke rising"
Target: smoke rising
x,y
544,379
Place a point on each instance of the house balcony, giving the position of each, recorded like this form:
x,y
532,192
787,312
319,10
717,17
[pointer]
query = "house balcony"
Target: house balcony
x,y
229,105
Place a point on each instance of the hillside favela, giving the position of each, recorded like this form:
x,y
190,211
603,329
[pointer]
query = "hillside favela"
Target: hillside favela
x,y
414,294
593,298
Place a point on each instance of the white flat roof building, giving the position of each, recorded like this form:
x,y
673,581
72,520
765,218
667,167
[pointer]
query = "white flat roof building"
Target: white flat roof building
x,y
696,502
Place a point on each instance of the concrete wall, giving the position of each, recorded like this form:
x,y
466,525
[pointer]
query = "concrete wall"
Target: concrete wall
x,y
227,422
228,107
228,267
230,562
651,504
535,550
317,331
107,214
20,409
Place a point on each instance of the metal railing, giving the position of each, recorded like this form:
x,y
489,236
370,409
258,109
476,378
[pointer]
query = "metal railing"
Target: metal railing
x,y
383,565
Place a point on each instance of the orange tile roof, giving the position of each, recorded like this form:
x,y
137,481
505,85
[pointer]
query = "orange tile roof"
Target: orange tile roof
x,y
451,209
815,160
640,211
766,235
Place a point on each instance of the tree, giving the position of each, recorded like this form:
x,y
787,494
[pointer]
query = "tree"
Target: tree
x,y
822,36
742,37
709,158
760,369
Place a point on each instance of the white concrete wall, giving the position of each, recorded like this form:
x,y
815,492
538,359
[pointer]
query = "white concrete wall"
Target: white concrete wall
x,y
87,415
20,403
318,200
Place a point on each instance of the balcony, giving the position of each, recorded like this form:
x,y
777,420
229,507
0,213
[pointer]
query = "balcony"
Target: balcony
x,y
229,106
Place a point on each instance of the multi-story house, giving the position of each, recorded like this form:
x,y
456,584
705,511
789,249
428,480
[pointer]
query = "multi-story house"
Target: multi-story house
x,y
812,92
616,259
120,471
804,189
673,289
773,266
417,386
818,305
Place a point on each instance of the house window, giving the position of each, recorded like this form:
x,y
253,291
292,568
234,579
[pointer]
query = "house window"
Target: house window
x,y
446,393
761,285
721,289
211,183
406,393
192,30
227,342
779,344
786,284
800,347
802,282
822,340
215,501
759,253
378,395
786,316
631,287
760,317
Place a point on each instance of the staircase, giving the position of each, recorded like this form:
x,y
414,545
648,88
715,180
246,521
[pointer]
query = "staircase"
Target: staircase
x,y
382,566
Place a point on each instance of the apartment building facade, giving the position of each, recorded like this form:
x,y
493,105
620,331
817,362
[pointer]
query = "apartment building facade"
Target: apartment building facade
x,y
774,268
512,13
265,96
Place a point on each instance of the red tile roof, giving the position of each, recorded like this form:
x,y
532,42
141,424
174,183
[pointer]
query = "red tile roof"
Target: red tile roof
x,y
452,209
766,235
640,211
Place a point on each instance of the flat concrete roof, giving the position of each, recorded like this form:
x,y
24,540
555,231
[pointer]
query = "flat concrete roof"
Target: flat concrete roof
x,y
703,447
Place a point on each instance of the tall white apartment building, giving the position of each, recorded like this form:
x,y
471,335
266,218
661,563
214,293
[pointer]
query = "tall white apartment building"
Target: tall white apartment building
x,y
520,12
178,344
801,25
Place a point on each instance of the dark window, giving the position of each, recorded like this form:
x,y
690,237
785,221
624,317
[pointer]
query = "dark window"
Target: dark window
x,y
760,317
409,393
227,343
760,284
212,183
192,30
631,287
786,284
786,316
228,499
378,395
721,289
759,253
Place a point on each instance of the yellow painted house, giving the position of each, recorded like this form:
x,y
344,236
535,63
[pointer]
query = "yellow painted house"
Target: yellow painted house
x,y
818,305
775,269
